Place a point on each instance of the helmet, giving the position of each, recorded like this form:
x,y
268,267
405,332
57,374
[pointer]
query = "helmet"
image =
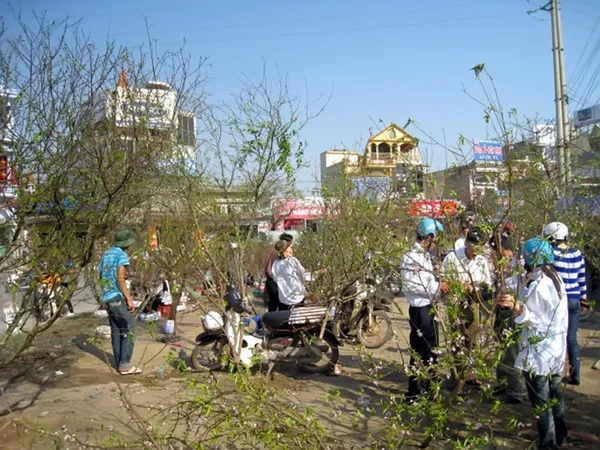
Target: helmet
x,y
557,231
508,226
429,226
212,321
537,252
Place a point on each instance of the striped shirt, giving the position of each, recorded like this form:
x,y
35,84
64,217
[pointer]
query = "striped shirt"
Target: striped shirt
x,y
570,265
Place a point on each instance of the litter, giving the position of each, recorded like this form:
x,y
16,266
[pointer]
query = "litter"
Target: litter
x,y
103,331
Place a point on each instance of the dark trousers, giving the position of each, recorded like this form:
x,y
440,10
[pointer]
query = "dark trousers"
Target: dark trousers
x,y
546,399
506,372
122,329
572,344
423,341
272,293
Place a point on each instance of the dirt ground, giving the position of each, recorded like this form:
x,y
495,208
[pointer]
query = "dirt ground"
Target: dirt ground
x,y
64,386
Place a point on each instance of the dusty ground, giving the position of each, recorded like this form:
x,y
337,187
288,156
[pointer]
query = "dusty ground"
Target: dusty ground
x,y
64,386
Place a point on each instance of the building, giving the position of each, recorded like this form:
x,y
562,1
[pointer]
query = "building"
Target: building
x,y
391,161
149,114
470,183
8,178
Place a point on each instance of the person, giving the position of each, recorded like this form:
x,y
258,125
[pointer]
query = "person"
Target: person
x,y
570,265
271,292
541,311
470,267
422,288
460,242
69,271
289,275
511,388
117,299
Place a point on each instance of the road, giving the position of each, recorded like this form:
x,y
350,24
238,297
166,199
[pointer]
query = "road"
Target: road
x,y
83,301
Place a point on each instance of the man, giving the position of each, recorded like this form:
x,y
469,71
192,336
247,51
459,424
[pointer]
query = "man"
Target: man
x,y
271,292
117,299
421,288
511,387
570,265
470,267
460,242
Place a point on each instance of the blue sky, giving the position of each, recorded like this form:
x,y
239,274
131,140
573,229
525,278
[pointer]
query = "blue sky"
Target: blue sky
x,y
381,60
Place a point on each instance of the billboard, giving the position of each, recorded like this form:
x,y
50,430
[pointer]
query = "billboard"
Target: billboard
x,y
433,208
487,151
587,116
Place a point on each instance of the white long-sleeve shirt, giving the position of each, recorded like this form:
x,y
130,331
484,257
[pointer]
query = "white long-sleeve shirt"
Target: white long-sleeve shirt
x,y
289,275
418,281
477,270
544,319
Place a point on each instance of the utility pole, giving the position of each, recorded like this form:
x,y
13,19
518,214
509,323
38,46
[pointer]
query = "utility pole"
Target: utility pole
x,y
560,87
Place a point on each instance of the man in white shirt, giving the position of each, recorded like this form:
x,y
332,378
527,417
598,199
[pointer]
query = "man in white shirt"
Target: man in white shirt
x,y
460,242
470,267
542,311
421,288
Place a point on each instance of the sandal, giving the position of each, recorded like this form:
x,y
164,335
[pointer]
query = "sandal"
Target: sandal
x,y
132,371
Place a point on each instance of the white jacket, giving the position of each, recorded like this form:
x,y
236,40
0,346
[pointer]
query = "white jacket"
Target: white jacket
x,y
544,320
289,275
418,281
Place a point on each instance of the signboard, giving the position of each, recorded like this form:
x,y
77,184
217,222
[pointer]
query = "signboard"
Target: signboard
x,y
291,209
587,116
487,151
433,208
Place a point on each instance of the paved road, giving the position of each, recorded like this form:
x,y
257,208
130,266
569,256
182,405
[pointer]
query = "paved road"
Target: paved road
x,y
83,301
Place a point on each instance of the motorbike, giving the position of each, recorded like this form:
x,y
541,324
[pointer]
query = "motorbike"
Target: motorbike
x,y
363,311
281,336
45,297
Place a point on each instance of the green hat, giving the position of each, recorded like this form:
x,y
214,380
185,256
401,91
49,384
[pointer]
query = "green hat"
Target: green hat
x,y
124,238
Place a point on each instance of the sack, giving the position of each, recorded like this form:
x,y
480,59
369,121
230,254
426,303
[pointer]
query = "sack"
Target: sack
x,y
166,298
101,313
103,331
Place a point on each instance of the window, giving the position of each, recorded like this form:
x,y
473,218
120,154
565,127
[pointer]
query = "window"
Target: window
x,y
186,134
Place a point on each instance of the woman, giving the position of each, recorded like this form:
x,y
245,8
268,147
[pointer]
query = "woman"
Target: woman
x,y
542,311
289,275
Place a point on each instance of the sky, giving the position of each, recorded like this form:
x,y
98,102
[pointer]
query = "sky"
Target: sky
x,y
379,61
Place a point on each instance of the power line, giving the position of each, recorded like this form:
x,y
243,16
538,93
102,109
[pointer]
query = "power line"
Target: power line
x,y
299,21
346,30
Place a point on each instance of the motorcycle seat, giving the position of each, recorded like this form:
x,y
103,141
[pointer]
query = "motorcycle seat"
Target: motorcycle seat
x,y
275,319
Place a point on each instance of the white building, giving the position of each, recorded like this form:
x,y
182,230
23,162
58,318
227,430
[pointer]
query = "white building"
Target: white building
x,y
153,108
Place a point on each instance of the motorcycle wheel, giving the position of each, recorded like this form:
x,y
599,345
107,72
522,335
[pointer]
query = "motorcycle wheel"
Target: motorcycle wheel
x,y
584,316
379,332
207,356
331,356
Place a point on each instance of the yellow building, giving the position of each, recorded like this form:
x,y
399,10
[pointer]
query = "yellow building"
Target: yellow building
x,y
392,155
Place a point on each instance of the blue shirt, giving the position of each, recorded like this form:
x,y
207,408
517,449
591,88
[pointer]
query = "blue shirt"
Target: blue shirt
x,y
570,265
108,268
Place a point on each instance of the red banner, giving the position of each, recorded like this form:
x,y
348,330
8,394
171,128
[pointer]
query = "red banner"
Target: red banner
x,y
433,208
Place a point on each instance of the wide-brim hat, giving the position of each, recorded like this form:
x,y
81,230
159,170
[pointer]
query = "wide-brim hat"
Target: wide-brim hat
x,y
124,238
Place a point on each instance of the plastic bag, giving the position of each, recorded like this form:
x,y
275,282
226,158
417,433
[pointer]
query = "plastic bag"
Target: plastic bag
x,y
103,331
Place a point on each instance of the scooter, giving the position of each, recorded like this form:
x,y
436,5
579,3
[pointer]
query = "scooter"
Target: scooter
x,y
279,336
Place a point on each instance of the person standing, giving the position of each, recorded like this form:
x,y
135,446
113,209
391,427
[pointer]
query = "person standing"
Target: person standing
x,y
271,292
511,387
570,265
542,312
470,267
422,288
112,272
459,244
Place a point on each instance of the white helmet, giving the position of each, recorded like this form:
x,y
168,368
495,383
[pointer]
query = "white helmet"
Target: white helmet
x,y
212,321
557,231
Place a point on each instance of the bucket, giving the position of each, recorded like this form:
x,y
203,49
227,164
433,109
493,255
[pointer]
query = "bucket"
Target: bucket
x,y
170,327
164,310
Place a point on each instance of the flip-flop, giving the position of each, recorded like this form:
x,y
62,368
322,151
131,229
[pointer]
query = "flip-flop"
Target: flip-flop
x,y
132,371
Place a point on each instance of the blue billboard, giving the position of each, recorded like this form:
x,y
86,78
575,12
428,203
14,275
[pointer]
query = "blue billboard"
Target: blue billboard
x,y
487,151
